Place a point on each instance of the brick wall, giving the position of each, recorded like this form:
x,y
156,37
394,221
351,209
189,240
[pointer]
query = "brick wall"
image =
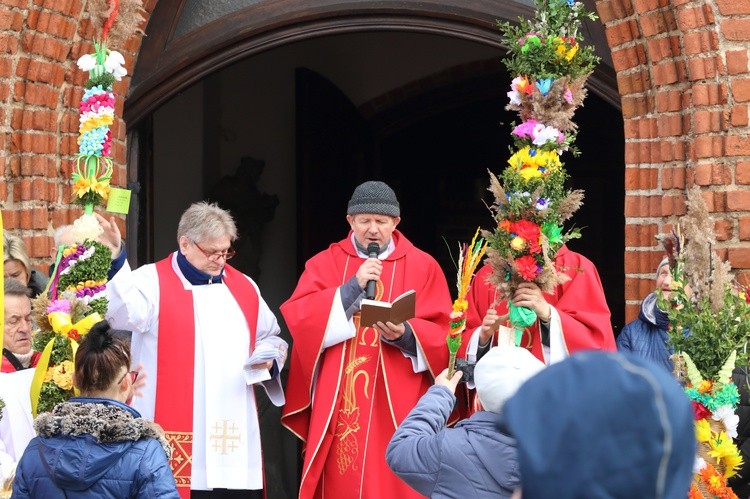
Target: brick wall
x,y
40,88
682,70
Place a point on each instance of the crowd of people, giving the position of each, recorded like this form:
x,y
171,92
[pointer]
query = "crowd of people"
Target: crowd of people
x,y
171,411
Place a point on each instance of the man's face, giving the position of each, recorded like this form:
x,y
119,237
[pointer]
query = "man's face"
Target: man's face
x,y
664,280
372,228
208,256
17,334
14,269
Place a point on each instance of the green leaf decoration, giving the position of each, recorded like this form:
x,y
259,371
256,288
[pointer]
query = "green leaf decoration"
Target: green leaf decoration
x,y
693,374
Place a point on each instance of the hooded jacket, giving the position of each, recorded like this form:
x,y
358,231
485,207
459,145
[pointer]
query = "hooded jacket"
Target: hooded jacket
x,y
91,447
603,425
647,336
472,460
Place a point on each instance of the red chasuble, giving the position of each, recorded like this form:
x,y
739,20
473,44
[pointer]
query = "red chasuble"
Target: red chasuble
x,y
580,302
364,387
176,356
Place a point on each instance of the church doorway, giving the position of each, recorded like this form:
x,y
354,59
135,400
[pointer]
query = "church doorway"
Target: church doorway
x,y
282,135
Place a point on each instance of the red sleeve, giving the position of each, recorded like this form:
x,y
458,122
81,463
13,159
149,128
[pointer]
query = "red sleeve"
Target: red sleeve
x,y
585,316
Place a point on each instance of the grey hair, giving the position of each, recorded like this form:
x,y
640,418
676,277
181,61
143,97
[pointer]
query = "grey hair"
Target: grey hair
x,y
60,232
203,221
13,287
15,249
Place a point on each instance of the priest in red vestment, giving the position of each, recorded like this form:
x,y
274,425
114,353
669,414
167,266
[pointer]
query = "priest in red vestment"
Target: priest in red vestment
x,y
351,384
575,317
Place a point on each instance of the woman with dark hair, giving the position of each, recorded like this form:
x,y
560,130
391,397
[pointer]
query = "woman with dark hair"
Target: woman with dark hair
x,y
95,445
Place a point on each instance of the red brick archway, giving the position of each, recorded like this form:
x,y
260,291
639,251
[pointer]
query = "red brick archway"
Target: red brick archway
x,y
682,70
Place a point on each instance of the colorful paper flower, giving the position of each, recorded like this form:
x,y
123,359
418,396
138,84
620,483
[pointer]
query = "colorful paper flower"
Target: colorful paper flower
x,y
544,85
527,267
702,430
114,65
62,375
699,410
726,415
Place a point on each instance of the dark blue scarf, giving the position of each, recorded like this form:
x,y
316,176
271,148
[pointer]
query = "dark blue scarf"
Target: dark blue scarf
x,y
193,275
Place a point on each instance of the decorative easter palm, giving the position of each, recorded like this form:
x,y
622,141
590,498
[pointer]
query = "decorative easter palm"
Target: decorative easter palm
x,y
469,257
550,68
709,329
76,299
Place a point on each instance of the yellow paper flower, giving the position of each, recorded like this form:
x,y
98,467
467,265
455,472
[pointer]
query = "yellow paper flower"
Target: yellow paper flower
x,y
95,122
732,463
101,188
63,375
517,243
702,430
722,447
550,160
82,186
459,306
48,374
571,53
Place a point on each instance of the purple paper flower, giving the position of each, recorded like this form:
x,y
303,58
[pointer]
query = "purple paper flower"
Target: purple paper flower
x,y
58,306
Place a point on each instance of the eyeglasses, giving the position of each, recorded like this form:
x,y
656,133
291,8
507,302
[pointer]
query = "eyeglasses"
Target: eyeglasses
x,y
133,376
226,255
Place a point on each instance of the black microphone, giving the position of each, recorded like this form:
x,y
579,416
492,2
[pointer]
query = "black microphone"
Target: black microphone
x,y
373,250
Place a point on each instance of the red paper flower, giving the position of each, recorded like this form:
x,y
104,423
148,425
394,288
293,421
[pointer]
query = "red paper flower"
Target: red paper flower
x,y
699,410
73,334
529,231
527,267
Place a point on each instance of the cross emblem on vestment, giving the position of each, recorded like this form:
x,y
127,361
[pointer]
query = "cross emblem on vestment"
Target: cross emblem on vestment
x,y
225,437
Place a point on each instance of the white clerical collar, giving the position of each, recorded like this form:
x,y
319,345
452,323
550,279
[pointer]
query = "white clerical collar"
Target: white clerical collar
x,y
389,248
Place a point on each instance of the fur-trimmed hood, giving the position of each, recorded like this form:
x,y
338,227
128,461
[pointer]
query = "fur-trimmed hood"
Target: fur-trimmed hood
x,y
107,421
81,439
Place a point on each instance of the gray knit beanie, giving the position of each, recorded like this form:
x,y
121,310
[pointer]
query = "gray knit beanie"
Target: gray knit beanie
x,y
374,197
665,261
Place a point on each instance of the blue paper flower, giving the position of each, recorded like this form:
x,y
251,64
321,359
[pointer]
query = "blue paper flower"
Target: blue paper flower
x,y
544,85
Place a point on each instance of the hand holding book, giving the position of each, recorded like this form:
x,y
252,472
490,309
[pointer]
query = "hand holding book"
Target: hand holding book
x,y
402,309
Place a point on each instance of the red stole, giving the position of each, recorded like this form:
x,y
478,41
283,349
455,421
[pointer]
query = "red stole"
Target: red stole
x,y
176,341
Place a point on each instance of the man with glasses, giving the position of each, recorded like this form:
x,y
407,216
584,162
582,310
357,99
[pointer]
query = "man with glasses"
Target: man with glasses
x,y
196,322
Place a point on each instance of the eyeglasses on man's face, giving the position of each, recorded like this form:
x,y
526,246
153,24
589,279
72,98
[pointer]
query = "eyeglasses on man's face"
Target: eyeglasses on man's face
x,y
226,255
133,376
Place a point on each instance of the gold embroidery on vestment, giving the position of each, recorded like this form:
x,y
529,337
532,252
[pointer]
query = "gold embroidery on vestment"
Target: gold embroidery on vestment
x,y
182,445
226,436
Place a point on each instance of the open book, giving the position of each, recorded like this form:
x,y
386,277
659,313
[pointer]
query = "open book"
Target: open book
x,y
402,309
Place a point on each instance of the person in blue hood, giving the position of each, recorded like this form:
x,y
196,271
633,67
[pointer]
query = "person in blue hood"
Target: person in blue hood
x,y
605,426
647,336
473,459
95,445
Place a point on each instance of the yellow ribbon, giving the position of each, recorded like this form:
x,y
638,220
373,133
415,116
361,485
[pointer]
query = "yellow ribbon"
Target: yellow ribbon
x,y
61,324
